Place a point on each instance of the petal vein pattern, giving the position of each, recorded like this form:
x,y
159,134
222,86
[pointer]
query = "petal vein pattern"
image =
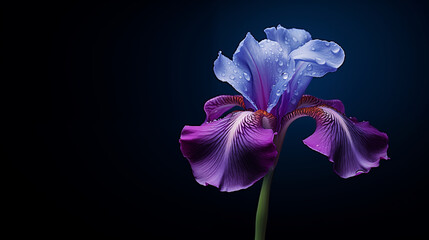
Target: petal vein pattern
x,y
231,153
354,147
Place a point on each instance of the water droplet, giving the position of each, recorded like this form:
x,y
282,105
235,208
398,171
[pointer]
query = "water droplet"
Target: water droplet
x,y
276,59
294,39
235,71
223,74
327,44
295,92
279,70
246,76
280,49
320,61
317,145
280,63
240,77
229,63
336,49
245,88
312,49
278,92
231,77
285,76
309,67
262,45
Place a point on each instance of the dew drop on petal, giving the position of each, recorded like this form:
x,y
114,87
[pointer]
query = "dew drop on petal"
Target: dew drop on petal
x,y
320,61
309,67
327,44
336,49
285,76
294,39
280,49
223,74
312,49
278,92
280,63
246,76
231,77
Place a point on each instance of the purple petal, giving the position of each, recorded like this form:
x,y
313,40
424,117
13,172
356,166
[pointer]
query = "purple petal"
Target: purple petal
x,y
217,106
354,147
231,153
310,101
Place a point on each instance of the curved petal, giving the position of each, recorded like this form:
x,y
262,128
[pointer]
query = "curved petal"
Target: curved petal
x,y
314,59
354,147
310,101
238,76
231,153
259,71
325,57
217,106
289,39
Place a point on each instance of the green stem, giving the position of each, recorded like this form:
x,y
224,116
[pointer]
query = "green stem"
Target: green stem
x,y
262,211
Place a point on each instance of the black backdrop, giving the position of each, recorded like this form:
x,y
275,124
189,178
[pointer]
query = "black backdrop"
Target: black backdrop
x,y
101,90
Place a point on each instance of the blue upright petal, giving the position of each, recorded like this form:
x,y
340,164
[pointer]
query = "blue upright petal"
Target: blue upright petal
x,y
325,56
289,39
259,71
314,59
239,77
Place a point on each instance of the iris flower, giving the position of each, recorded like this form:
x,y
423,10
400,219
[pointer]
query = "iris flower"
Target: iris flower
x,y
233,152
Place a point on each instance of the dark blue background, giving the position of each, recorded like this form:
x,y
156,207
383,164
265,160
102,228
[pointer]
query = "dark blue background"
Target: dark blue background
x,y
102,91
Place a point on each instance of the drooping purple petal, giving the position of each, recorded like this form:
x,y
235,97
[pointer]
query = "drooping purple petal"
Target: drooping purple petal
x,y
217,106
259,71
231,153
310,101
354,147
